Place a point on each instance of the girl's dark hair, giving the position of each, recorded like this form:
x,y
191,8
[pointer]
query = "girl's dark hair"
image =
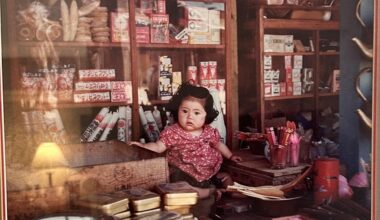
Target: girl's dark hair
x,y
186,90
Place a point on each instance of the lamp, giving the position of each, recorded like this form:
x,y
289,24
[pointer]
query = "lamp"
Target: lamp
x,y
48,156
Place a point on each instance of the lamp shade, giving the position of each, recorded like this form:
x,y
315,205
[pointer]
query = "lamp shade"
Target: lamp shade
x,y
49,155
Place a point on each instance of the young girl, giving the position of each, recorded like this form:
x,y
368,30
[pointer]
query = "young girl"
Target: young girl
x,y
194,151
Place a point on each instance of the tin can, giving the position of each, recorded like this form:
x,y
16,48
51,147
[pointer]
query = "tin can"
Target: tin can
x,y
326,180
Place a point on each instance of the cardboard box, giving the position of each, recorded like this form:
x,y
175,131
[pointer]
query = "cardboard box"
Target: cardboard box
x,y
289,88
267,62
275,89
278,43
296,75
119,26
196,13
282,89
159,31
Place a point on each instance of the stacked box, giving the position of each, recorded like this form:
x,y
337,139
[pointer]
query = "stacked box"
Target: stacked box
x,y
198,24
143,201
108,203
278,43
165,78
159,32
179,196
121,91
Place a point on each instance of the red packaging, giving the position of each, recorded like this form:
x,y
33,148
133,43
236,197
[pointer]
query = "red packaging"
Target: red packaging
x,y
288,75
119,96
203,71
267,89
119,26
326,180
212,71
289,88
142,35
161,6
191,74
159,32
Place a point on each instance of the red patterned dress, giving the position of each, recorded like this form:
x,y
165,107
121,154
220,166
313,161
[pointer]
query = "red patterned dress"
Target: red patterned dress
x,y
195,155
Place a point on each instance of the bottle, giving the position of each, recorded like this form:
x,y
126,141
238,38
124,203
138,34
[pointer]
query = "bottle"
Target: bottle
x,y
157,117
122,124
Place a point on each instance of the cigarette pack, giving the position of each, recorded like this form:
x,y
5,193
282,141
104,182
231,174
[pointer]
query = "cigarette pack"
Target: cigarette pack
x,y
268,76
297,88
96,74
267,62
296,75
288,75
288,62
289,88
159,28
191,74
267,89
297,62
109,203
93,86
142,28
142,200
203,70
179,193
119,26
212,69
161,6
92,97
199,38
275,89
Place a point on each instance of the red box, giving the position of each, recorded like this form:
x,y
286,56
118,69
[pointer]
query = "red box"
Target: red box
x,y
119,26
203,71
161,6
288,75
289,88
121,96
159,32
142,35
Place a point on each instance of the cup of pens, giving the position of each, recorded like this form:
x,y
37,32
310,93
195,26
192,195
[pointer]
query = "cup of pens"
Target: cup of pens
x,y
278,156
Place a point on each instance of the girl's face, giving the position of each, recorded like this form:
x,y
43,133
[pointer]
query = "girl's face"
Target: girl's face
x,y
191,115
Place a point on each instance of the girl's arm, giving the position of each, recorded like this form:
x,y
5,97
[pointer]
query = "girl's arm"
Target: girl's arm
x,y
157,146
225,151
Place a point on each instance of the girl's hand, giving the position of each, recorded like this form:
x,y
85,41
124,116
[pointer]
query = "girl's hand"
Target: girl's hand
x,y
135,143
235,158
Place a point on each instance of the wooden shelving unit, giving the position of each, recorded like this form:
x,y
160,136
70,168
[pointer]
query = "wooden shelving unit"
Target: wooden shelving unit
x,y
256,21
131,60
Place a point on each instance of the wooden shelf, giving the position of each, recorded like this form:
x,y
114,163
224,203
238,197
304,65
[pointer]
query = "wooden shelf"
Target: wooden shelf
x,y
74,44
181,46
273,98
294,24
81,105
289,53
324,94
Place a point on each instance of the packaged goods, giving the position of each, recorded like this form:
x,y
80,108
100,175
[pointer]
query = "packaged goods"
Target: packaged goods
x,y
119,26
159,28
108,203
94,124
142,199
179,193
110,126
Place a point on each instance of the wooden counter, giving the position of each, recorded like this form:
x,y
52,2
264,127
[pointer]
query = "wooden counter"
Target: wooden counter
x,y
255,170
